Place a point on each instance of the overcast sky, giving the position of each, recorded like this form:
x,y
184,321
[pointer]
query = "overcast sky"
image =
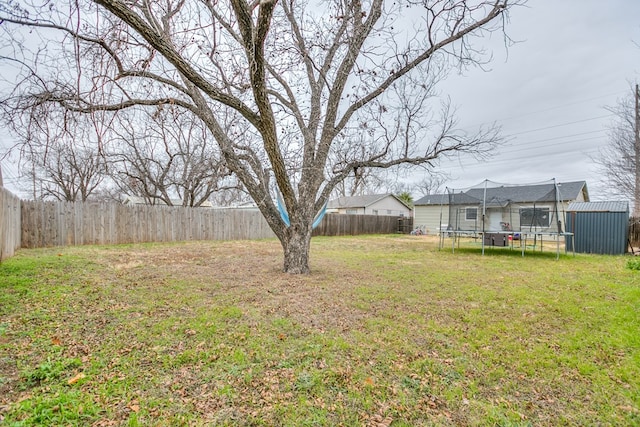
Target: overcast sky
x,y
548,92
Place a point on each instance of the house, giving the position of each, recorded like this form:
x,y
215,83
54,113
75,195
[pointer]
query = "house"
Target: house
x,y
374,204
517,207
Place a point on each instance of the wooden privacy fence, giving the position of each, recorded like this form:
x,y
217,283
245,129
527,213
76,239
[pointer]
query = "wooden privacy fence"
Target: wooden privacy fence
x,y
340,225
9,223
75,223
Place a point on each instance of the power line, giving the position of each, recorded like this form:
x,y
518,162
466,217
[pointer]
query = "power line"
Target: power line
x,y
563,124
531,113
499,158
528,142
485,163
570,104
550,145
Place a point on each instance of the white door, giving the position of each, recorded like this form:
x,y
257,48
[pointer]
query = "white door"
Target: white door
x,y
495,218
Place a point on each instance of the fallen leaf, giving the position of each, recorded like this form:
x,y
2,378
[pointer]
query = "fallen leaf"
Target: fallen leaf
x,y
56,341
380,421
76,378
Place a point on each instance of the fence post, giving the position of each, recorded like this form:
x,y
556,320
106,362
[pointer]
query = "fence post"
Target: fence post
x,y
634,231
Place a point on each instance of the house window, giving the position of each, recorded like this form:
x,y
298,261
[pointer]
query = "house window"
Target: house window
x,y
534,217
375,211
352,211
471,214
389,211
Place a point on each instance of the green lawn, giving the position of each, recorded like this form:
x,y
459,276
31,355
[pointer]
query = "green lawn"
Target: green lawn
x,y
387,330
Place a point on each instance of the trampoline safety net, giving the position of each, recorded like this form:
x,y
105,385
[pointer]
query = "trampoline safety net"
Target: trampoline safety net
x,y
492,207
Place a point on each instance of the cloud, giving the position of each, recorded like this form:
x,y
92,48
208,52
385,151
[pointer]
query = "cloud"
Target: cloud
x,y
573,58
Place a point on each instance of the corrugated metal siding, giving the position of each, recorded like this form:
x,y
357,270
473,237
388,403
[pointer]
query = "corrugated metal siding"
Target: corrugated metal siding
x,y
598,232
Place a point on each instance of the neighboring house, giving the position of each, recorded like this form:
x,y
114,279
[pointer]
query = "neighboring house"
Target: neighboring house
x,y
134,200
375,204
518,207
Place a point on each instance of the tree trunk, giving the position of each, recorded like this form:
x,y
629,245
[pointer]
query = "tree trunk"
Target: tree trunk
x,y
296,245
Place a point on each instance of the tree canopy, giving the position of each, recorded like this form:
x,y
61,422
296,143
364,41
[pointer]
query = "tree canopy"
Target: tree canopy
x,y
297,95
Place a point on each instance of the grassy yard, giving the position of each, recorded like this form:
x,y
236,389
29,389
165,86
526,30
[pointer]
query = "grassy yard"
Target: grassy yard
x,y
386,331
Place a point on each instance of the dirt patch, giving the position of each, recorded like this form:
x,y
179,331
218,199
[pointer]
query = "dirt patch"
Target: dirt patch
x,y
315,301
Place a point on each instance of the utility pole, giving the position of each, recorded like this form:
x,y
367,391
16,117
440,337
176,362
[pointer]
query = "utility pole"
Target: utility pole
x,y
636,146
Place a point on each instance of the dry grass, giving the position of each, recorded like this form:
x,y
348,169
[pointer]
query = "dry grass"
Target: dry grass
x,y
385,331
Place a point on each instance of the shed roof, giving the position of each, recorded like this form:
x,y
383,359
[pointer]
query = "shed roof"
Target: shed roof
x,y
608,206
503,195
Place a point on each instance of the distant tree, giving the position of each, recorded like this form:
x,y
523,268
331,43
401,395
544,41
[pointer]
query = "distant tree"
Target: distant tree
x,y
230,193
58,152
619,161
164,156
64,171
433,183
406,197
301,81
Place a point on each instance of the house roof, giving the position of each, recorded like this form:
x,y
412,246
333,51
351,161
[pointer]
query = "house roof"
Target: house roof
x,y
360,201
502,196
609,206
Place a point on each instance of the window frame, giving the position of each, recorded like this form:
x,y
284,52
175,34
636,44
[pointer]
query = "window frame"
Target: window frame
x,y
545,210
470,209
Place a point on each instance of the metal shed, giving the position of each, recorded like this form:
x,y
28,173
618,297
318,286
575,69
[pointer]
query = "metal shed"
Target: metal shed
x,y
598,227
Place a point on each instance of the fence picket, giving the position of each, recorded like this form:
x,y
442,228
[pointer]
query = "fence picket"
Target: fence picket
x,y
10,223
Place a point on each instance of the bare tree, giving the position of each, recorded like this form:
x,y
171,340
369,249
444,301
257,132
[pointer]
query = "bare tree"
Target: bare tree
x,y
359,181
301,80
57,151
432,183
64,171
230,193
165,156
618,161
